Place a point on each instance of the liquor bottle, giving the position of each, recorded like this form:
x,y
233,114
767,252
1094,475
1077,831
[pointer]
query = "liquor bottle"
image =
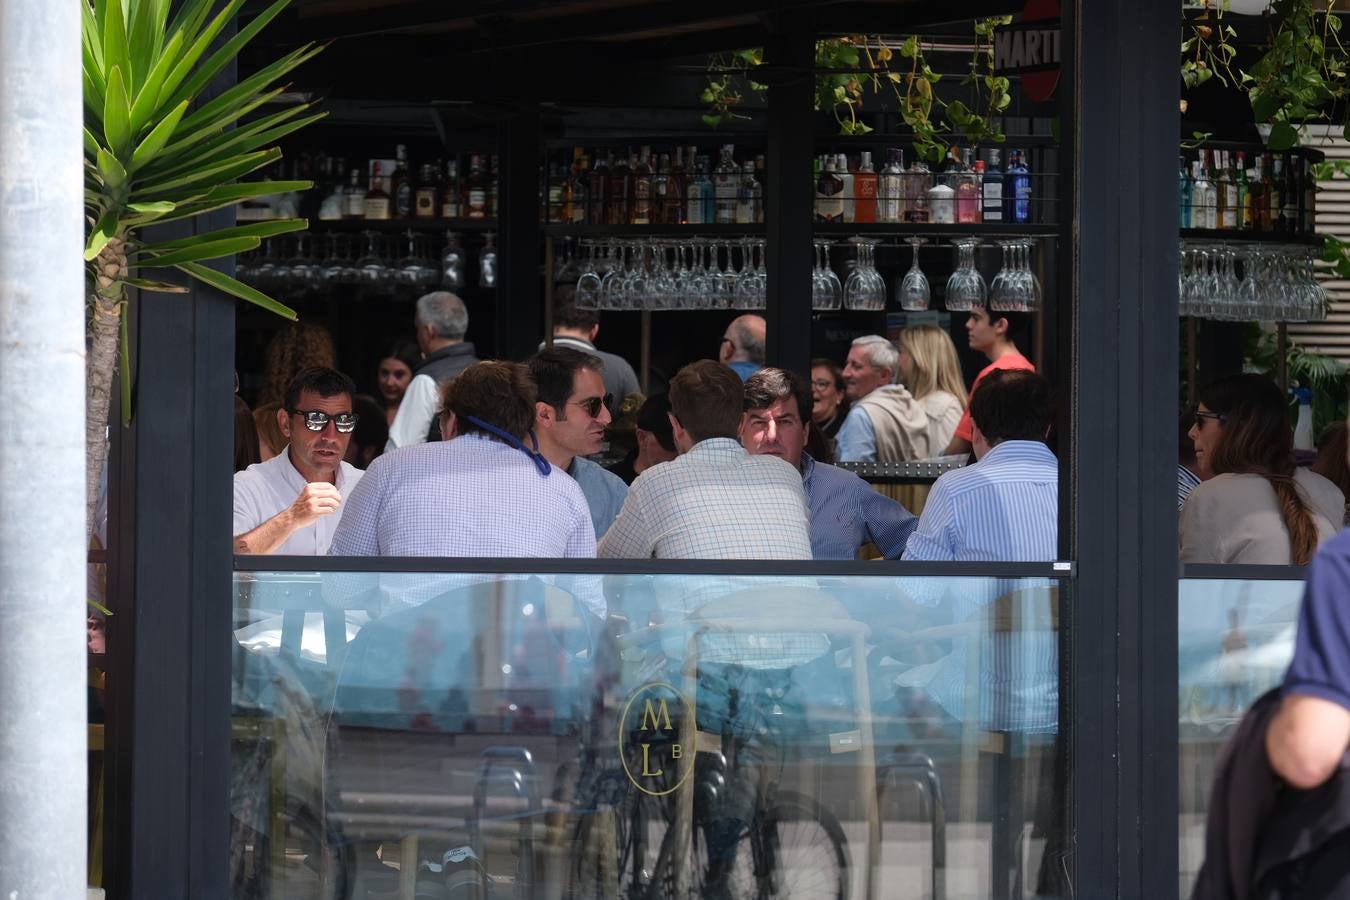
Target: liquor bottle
x,y
1184,192
356,197
660,188
941,204
951,168
476,190
992,188
619,191
829,194
841,169
1016,190
693,196
552,193
492,186
334,206
1204,205
1289,210
1260,189
745,195
451,206
889,197
574,190
759,189
725,183
969,198
599,186
1229,207
400,185
709,192
424,197
376,202
1308,207
916,182
672,212
1246,220
487,263
642,188
865,190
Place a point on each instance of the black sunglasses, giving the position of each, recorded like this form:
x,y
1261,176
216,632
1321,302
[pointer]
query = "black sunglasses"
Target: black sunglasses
x,y
317,420
1201,416
592,405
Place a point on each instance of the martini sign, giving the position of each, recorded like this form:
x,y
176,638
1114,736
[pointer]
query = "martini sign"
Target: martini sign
x,y
1030,47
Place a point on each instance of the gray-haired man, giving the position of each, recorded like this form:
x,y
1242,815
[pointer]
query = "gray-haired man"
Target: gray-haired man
x,y
441,322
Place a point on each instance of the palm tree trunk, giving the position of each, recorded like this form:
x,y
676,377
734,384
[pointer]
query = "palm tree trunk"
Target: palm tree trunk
x,y
105,315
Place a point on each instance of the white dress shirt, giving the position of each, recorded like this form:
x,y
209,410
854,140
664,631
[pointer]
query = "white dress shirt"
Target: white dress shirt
x,y
415,413
266,488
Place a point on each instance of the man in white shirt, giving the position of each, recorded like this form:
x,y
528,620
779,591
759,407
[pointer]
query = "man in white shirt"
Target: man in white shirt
x,y
715,500
570,418
441,321
291,503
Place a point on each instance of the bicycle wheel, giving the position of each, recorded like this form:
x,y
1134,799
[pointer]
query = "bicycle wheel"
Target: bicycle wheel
x,y
615,849
796,849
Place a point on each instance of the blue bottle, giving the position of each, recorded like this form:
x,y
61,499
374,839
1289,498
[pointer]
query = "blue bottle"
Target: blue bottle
x,y
1016,190
1184,187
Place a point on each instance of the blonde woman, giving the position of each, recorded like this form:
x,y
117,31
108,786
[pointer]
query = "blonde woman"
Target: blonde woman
x,y
929,368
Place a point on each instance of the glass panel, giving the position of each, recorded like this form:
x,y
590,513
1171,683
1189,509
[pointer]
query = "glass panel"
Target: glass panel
x,y
401,735
1235,639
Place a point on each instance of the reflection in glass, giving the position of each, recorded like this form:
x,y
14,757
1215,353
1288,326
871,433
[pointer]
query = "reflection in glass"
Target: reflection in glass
x,y
645,735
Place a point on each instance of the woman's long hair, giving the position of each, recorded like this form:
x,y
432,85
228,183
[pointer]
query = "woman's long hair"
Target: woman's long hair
x,y
936,367
1257,440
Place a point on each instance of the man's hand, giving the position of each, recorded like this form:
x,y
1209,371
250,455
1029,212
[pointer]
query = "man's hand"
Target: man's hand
x,y
316,500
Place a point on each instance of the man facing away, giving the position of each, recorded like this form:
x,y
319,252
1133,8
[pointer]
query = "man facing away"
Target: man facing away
x,y
482,491
576,329
743,345
292,503
845,511
715,500
885,423
995,335
570,418
441,322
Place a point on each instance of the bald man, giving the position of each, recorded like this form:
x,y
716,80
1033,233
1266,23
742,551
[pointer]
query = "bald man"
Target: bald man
x,y
743,345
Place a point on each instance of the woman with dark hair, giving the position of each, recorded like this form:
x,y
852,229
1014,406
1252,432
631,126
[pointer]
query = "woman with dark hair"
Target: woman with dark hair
x,y
398,360
829,406
1258,508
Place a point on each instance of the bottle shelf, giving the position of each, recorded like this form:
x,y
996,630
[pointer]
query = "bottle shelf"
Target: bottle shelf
x,y
904,139
1236,236
561,230
926,229
402,224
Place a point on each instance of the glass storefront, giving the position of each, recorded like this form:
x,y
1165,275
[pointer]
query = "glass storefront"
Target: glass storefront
x,y
419,734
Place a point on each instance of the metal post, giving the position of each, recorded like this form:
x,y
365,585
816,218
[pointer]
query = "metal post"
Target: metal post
x,y
42,532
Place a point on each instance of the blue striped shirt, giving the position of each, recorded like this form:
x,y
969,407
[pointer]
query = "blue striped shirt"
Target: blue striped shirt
x,y
1186,482
1005,508
847,512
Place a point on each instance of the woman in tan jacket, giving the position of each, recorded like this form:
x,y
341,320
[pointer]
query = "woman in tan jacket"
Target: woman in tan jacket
x,y
931,371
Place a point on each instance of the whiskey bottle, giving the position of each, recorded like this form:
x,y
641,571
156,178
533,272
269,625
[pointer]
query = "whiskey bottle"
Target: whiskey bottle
x,y
424,198
452,206
400,185
865,190
598,201
356,197
830,194
643,188
376,204
476,190
620,186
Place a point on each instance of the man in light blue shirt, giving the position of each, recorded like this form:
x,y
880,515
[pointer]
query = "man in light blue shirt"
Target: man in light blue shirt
x,y
571,412
742,348
885,424
845,510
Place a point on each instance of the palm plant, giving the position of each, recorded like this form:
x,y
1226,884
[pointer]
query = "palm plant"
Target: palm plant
x,y
157,149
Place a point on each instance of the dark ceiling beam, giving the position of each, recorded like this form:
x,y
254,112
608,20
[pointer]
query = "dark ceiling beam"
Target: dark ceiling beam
x,y
907,18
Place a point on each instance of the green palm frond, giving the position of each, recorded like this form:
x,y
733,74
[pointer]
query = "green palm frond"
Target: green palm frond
x,y
152,156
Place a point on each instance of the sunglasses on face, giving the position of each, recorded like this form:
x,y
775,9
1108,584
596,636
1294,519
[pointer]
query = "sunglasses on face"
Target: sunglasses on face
x,y
1201,416
317,420
592,405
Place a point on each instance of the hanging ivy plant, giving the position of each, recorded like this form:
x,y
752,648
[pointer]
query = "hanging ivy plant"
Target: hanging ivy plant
x,y
1302,73
990,96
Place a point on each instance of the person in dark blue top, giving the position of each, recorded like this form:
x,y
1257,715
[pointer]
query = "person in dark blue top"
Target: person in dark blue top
x,y
1309,735
846,512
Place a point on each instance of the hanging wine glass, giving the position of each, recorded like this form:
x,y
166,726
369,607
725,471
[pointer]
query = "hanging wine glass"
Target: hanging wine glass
x,y
966,287
914,293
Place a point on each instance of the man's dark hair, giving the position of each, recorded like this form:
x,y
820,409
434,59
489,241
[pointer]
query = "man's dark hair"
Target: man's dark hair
x,y
707,398
566,315
554,372
1019,324
1013,405
652,418
499,393
767,386
321,380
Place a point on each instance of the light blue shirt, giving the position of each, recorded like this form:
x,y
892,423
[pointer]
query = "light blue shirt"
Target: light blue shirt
x,y
604,492
744,368
1005,508
857,439
847,512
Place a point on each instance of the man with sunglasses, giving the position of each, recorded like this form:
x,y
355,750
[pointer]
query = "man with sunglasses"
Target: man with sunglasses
x,y
571,413
291,503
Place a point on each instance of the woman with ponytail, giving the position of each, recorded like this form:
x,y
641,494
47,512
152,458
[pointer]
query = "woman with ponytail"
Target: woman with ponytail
x,y
1258,508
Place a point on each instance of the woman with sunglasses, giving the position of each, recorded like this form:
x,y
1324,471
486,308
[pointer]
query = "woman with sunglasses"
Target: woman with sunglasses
x,y
1257,508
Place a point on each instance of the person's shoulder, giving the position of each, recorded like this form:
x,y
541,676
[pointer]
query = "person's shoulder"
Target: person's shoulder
x,y
589,468
940,403
1321,489
835,478
260,473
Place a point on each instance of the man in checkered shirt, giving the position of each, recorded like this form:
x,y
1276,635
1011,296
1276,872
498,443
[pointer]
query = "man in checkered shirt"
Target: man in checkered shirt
x,y
715,500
